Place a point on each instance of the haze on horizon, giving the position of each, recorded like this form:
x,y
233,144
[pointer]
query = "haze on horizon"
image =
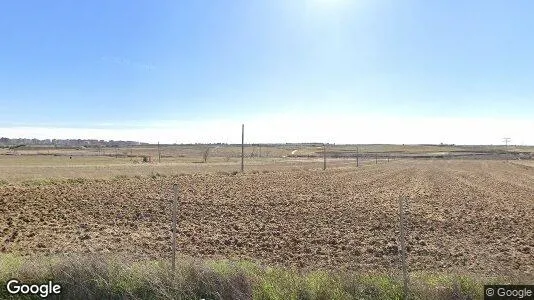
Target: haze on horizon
x,y
338,71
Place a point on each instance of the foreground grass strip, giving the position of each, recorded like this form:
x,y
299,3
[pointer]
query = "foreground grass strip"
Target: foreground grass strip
x,y
97,277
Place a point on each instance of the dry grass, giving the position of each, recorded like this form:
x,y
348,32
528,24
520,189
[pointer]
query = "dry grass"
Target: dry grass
x,y
99,277
31,168
32,163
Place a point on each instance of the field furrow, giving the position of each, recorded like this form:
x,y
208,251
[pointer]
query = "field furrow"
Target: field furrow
x,y
471,216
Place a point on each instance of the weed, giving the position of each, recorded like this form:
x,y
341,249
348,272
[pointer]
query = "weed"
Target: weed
x,y
99,277
120,177
77,180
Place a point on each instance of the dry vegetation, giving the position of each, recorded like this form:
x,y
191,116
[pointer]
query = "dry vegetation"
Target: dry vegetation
x,y
110,277
31,164
42,163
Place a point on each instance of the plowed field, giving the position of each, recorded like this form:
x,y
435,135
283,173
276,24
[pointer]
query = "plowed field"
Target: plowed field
x,y
474,216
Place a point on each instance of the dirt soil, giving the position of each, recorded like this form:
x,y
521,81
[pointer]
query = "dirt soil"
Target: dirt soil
x,y
472,216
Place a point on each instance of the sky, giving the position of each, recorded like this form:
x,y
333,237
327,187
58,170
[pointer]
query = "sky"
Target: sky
x,y
337,71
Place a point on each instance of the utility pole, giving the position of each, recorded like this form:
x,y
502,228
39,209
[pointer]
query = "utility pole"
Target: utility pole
x,y
242,148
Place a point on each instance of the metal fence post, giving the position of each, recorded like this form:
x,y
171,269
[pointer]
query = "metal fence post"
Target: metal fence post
x,y
174,217
357,156
403,205
242,148
324,156
159,154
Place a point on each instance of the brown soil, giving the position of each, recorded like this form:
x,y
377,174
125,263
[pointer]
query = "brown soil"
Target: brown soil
x,y
472,216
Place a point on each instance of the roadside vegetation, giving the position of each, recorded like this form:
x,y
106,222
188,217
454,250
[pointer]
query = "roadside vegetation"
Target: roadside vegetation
x,y
98,277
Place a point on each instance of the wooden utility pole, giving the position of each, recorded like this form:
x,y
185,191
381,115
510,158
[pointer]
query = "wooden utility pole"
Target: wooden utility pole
x,y
324,156
242,148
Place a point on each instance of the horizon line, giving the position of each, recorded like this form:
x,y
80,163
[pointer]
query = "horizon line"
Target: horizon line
x,y
144,143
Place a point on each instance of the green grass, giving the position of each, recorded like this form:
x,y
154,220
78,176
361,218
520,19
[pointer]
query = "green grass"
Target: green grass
x,y
97,277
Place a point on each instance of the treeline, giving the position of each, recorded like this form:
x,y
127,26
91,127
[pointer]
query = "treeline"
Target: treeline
x,y
66,142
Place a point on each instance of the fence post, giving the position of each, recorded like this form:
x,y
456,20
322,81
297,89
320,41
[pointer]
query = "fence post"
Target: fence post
x,y
357,156
242,148
174,217
403,204
159,154
376,158
324,156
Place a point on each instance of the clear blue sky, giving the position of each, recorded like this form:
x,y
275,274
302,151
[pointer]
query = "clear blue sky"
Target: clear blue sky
x,y
88,63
